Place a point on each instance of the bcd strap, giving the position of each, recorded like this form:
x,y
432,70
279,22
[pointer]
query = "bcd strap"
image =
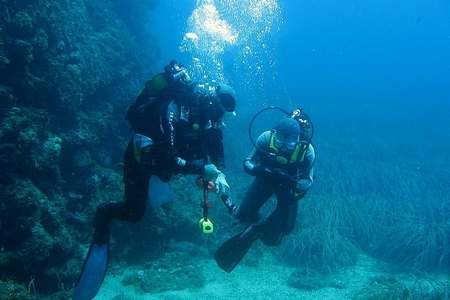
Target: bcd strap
x,y
298,155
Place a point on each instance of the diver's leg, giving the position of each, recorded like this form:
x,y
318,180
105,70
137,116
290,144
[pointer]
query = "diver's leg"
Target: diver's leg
x,y
258,193
282,220
231,252
96,262
133,208
136,178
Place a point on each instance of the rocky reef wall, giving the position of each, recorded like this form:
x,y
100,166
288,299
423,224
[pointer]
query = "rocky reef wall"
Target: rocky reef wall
x,y
68,70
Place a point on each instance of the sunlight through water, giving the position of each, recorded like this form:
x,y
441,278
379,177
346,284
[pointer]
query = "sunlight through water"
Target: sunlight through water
x,y
219,27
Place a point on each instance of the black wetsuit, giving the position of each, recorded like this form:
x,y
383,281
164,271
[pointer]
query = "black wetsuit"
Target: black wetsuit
x,y
177,131
289,186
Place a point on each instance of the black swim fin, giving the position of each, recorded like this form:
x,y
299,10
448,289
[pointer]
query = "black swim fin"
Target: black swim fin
x,y
233,250
93,272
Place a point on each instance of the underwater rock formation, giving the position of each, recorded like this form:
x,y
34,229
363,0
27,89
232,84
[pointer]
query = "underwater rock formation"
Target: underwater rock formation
x,y
68,70
10,290
35,241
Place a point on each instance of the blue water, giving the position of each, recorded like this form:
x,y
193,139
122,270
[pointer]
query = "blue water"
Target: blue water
x,y
379,66
349,48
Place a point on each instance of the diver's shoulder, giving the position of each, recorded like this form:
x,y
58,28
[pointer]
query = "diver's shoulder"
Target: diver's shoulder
x,y
264,138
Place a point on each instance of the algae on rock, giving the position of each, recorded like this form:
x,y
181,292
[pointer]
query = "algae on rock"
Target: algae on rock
x,y
68,70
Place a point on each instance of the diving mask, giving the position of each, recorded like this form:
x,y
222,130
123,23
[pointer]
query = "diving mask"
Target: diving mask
x,y
285,143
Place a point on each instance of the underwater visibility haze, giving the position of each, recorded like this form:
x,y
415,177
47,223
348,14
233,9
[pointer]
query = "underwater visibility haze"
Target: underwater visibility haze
x,y
225,149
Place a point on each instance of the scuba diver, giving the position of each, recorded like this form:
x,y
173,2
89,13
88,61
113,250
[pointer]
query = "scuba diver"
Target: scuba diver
x,y
282,163
177,129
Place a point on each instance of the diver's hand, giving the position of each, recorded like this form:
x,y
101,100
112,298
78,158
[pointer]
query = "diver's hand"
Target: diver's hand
x,y
222,186
210,172
179,162
302,186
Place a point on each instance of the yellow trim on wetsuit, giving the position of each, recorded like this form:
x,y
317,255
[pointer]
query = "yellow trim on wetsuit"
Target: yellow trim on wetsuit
x,y
299,149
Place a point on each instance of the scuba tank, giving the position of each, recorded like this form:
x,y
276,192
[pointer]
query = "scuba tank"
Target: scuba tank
x,y
305,123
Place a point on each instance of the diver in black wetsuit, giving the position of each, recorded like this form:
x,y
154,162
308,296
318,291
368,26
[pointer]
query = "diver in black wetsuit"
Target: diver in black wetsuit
x,y
179,135
282,163
177,129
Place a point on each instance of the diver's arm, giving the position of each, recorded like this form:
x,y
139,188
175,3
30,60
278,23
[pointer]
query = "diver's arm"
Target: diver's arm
x,y
190,166
306,177
252,164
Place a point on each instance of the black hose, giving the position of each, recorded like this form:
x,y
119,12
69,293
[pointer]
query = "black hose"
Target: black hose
x,y
205,199
250,125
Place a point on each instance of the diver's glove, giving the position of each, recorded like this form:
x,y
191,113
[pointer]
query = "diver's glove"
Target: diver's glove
x,y
210,172
222,186
180,163
213,174
251,168
302,187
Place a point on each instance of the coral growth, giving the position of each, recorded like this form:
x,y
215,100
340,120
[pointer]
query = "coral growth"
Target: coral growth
x,y
13,291
35,241
68,70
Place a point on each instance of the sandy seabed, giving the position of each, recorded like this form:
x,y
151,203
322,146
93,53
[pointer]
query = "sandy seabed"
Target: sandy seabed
x,y
267,281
